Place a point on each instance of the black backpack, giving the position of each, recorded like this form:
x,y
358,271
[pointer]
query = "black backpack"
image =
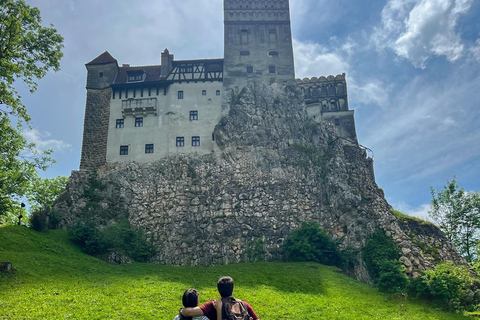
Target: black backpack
x,y
234,309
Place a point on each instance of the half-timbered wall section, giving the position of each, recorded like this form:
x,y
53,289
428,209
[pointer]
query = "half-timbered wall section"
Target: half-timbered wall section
x,y
152,111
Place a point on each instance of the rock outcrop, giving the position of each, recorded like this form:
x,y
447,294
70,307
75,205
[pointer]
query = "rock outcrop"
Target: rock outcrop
x,y
274,169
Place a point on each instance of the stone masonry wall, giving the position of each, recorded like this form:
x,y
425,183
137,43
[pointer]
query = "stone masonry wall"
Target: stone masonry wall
x,y
95,128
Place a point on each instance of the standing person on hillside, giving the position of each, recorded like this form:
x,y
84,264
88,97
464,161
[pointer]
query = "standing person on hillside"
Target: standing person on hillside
x,y
209,309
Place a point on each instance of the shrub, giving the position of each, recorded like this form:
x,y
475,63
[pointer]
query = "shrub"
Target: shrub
x,y
381,256
116,236
448,285
310,243
38,220
391,278
86,234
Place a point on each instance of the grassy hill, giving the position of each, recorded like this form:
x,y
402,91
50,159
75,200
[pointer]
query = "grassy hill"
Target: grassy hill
x,y
53,279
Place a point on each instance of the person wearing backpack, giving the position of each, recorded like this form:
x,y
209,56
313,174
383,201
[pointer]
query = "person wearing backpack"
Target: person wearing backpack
x,y
231,308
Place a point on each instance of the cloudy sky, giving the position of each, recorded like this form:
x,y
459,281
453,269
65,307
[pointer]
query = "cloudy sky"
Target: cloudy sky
x,y
413,75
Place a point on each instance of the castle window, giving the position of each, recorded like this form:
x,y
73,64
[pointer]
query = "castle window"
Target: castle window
x,y
193,115
204,92
139,122
244,31
182,69
135,77
189,69
213,136
195,141
180,142
271,69
249,69
100,74
180,94
120,124
272,31
273,53
337,122
149,148
123,150
244,53
218,92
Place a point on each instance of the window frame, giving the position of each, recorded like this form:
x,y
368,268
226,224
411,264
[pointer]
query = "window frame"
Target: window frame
x,y
272,69
138,122
149,148
249,69
195,141
124,150
193,115
120,124
180,142
180,95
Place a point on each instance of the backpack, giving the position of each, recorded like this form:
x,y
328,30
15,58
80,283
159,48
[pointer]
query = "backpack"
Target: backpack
x,y
234,309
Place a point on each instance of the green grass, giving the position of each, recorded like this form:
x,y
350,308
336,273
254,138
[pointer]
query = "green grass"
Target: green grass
x,y
53,279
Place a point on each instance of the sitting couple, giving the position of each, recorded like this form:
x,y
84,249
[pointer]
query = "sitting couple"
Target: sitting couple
x,y
214,310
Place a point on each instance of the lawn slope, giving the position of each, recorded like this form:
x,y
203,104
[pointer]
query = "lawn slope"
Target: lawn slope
x,y
53,279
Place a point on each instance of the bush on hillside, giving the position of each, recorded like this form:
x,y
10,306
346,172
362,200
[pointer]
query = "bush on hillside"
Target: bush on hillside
x,y
115,236
44,220
452,287
310,243
381,255
86,234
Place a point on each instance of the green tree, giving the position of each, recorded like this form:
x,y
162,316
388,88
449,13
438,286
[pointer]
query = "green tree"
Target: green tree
x,y
27,51
457,213
43,192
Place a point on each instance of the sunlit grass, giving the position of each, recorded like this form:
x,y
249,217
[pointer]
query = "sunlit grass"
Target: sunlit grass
x,y
54,280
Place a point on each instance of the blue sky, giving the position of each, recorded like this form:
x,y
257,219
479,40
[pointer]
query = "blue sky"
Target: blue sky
x,y
413,75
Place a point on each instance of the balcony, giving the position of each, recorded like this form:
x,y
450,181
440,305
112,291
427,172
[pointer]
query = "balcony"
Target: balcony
x,y
136,107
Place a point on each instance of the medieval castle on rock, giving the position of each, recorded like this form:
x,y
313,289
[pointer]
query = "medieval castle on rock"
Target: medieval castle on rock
x,y
145,113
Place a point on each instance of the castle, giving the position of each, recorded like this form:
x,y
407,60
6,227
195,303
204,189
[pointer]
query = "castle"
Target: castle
x,y
145,113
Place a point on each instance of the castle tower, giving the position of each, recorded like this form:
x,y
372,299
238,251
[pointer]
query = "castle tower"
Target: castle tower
x,y
258,42
101,73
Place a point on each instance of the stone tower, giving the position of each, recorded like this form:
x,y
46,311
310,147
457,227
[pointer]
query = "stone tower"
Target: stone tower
x,y
258,42
101,73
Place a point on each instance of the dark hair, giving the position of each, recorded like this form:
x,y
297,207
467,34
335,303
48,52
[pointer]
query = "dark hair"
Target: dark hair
x,y
225,286
189,300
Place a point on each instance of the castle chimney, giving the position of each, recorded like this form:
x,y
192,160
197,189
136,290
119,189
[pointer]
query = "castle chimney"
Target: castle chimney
x,y
167,59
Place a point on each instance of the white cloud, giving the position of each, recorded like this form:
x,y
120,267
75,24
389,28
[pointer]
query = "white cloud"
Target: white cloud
x,y
43,142
475,51
314,60
372,92
419,29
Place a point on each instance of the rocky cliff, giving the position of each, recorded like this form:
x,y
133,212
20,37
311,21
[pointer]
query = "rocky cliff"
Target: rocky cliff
x,y
274,168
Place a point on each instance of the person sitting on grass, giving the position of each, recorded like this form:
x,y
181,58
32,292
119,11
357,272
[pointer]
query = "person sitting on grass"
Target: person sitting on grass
x,y
190,300
209,309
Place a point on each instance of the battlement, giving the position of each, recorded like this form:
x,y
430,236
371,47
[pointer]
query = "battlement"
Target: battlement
x,y
320,79
256,5
256,11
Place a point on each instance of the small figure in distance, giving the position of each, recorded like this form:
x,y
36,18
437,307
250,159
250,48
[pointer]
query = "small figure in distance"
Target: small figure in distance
x,y
190,300
226,304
